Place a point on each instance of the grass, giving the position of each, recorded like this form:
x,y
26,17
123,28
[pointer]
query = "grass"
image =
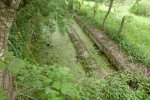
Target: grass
x,y
135,38
100,59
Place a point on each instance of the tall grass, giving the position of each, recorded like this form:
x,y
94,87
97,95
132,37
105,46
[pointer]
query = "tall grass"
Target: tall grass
x,y
135,38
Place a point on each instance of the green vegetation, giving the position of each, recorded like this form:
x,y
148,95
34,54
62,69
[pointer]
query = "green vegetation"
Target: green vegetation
x,y
134,38
59,83
100,60
30,23
44,63
56,83
141,9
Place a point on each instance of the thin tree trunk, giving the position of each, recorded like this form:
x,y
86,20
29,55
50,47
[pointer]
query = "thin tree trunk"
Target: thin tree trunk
x,y
95,7
122,24
109,10
8,10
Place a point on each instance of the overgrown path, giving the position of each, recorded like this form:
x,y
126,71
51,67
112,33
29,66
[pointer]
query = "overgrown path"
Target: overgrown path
x,y
100,61
116,56
55,48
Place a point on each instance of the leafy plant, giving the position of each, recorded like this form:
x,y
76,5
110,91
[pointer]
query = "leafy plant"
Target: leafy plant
x,y
33,80
53,82
12,64
58,83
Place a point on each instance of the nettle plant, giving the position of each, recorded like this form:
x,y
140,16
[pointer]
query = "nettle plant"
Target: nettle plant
x,y
39,82
12,64
46,83
43,82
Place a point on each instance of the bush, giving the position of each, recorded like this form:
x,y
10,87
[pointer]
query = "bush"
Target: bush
x,y
59,83
140,9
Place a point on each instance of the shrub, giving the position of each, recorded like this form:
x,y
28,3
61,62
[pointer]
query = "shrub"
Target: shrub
x,y
140,9
58,83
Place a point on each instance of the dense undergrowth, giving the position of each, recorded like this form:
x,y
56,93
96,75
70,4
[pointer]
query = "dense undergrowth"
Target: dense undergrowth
x,y
37,79
134,38
58,83
141,9
52,82
29,25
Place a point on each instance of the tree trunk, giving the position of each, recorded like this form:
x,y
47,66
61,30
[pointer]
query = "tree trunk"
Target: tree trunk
x,y
122,24
8,10
95,7
110,6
